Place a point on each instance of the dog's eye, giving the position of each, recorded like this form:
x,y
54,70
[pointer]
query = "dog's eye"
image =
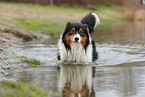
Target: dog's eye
x,y
71,32
81,33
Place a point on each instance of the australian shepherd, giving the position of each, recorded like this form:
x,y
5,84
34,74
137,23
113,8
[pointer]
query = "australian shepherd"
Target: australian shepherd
x,y
76,44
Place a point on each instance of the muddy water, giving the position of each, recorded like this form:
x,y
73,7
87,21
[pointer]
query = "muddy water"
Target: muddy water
x,y
119,72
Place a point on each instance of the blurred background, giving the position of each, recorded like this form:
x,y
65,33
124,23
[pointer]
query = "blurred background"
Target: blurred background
x,y
46,13
83,3
29,32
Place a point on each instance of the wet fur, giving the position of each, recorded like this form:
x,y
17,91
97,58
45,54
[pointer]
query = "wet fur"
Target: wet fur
x,y
82,51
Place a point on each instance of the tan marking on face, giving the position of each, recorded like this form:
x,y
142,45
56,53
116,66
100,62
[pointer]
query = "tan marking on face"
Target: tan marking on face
x,y
80,29
69,39
83,40
73,29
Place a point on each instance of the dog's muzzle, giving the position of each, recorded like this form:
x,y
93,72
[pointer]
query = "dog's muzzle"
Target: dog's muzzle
x,y
77,38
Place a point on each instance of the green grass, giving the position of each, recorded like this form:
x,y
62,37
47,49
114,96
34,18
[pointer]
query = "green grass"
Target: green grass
x,y
54,26
21,60
113,20
54,8
29,61
19,89
41,25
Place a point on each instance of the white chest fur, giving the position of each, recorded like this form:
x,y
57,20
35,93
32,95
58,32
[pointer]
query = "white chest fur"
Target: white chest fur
x,y
76,54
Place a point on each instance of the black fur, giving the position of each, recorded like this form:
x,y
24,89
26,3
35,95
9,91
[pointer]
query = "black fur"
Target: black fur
x,y
90,21
87,24
95,53
63,36
58,55
77,26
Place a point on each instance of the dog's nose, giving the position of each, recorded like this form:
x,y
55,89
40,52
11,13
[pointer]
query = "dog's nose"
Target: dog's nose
x,y
76,38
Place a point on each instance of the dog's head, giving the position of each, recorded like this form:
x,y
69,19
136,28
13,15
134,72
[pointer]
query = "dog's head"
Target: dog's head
x,y
76,33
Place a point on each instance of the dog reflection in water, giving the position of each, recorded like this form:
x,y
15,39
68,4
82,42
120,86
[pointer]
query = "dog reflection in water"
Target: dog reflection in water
x,y
76,81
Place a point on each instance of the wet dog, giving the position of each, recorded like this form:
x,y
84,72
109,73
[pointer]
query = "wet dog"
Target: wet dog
x,y
76,44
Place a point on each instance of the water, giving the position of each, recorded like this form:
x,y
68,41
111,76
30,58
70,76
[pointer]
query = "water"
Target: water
x,y
119,72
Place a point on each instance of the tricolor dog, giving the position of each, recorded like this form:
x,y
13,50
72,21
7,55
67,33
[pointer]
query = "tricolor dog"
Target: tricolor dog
x,y
75,43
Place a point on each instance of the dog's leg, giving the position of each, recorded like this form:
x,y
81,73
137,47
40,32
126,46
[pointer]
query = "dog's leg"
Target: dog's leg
x,y
58,55
95,53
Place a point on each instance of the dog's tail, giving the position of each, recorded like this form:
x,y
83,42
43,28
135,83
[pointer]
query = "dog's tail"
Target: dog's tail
x,y
92,20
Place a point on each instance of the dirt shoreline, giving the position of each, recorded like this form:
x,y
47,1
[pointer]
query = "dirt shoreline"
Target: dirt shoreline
x,y
8,37
11,38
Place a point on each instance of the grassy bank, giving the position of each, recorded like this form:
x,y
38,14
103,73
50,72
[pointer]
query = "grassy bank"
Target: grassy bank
x,y
50,20
18,89
20,61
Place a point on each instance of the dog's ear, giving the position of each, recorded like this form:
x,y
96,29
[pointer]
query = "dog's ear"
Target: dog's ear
x,y
67,27
68,23
86,26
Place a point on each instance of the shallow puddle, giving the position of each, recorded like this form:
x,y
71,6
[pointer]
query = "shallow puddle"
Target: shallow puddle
x,y
121,81
119,72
